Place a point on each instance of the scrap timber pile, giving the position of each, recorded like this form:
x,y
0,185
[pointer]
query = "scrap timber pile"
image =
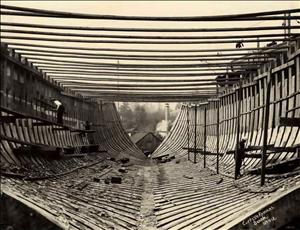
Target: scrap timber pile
x,y
240,92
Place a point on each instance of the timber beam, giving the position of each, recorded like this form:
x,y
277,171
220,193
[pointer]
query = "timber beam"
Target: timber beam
x,y
160,157
279,168
96,125
192,149
61,129
82,131
41,123
8,119
249,155
270,149
288,121
201,151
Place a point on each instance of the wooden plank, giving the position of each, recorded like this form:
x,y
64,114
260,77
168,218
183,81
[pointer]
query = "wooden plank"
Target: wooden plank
x,y
218,132
274,70
283,66
265,129
96,125
205,137
238,126
20,115
253,147
41,209
161,156
33,71
289,121
42,123
82,131
260,76
193,150
8,119
188,131
15,140
60,129
195,131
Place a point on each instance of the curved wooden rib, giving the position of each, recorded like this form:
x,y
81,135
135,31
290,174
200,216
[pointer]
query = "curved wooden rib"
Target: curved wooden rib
x,y
284,102
110,137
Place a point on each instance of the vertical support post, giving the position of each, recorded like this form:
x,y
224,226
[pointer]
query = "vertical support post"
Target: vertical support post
x,y
218,126
265,128
288,30
31,104
36,107
7,97
285,24
289,25
40,108
238,127
188,131
227,80
167,116
101,112
195,137
25,100
118,86
204,139
3,80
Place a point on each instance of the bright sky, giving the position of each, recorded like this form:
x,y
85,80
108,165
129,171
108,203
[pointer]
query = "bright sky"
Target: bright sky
x,y
152,8
149,8
159,8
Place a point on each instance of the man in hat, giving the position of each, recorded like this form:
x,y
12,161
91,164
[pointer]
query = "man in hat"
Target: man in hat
x,y
60,110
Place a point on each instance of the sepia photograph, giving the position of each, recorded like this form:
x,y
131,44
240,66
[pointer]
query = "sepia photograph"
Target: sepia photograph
x,y
150,115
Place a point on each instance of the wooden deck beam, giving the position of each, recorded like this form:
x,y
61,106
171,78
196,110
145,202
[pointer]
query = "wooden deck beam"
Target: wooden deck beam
x,y
8,119
289,121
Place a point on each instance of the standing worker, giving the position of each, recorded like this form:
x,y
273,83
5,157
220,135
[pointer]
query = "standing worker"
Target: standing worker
x,y
88,135
87,125
60,113
239,158
60,110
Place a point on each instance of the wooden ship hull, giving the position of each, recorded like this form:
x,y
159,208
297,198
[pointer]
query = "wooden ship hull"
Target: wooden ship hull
x,y
67,176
